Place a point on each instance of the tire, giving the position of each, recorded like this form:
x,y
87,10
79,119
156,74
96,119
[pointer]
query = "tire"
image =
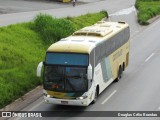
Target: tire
x,y
119,74
123,66
95,97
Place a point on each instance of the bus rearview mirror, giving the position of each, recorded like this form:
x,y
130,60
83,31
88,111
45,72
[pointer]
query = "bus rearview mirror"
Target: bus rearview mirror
x,y
39,69
89,72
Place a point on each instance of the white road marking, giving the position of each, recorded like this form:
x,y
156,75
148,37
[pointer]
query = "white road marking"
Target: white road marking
x,y
109,97
150,57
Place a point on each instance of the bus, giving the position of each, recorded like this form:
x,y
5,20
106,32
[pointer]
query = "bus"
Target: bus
x,y
65,1
78,68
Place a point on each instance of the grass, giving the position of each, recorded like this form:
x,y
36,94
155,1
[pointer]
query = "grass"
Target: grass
x,y
20,48
87,20
23,46
147,10
52,29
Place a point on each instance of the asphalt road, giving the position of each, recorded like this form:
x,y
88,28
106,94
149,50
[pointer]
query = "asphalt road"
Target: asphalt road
x,y
110,5
138,90
16,6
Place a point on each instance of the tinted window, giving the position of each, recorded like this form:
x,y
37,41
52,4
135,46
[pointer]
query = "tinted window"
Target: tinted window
x,y
67,59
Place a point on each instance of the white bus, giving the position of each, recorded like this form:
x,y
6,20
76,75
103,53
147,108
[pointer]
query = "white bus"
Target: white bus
x,y
79,67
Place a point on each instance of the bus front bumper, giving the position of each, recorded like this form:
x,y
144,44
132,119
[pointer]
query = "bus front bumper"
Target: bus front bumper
x,y
74,102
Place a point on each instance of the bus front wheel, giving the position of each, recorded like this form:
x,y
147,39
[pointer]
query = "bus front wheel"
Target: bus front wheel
x,y
95,96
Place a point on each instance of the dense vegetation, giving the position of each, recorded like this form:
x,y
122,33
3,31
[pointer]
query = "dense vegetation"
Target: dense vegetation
x,y
147,9
52,29
23,46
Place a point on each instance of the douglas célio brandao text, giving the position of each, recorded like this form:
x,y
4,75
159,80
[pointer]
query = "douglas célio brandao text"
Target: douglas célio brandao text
x,y
137,114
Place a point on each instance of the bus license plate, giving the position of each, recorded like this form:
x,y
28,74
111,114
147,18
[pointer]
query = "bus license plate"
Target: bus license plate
x,y
64,102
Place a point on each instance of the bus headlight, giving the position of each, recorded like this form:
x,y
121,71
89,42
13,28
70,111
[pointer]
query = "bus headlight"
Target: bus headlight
x,y
81,98
49,96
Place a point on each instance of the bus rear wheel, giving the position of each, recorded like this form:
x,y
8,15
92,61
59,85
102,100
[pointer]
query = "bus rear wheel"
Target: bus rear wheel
x,y
119,74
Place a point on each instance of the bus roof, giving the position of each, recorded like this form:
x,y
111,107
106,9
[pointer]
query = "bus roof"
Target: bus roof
x,y
85,39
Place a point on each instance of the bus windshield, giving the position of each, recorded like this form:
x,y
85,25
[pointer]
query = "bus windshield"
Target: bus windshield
x,y
67,59
65,79
66,72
